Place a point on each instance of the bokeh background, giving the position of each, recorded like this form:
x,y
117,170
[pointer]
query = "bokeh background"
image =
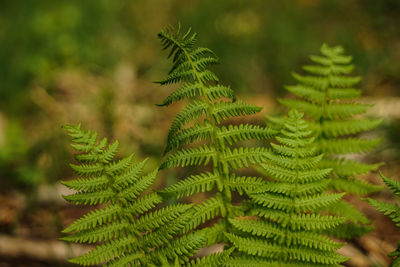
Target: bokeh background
x,y
94,61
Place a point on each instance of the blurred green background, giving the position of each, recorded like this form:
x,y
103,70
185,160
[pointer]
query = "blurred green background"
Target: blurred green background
x,y
94,61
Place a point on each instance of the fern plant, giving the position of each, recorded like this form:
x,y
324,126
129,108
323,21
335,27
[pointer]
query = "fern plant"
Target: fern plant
x,y
390,210
198,137
127,229
327,97
286,223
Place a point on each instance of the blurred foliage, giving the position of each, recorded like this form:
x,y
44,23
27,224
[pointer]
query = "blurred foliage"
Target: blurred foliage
x,y
92,61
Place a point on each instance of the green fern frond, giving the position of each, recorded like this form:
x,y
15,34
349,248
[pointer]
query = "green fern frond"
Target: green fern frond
x,y
236,133
225,110
205,211
203,121
390,210
392,184
327,96
191,112
309,222
290,209
184,247
242,156
194,184
261,248
347,167
279,234
244,261
354,186
347,146
189,135
188,157
88,184
245,184
121,228
144,204
346,127
217,259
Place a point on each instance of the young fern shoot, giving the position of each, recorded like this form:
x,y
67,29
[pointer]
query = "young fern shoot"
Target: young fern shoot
x,y
326,96
210,105
127,229
286,224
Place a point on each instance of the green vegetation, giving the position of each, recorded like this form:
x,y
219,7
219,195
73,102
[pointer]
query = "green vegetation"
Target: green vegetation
x,y
289,229
127,229
328,97
283,219
210,105
390,210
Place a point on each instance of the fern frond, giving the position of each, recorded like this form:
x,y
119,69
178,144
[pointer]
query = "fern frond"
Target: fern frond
x,y
90,198
217,259
137,188
188,157
244,261
277,233
354,186
347,167
390,210
192,185
317,82
184,247
187,91
226,110
203,120
242,132
258,247
144,204
88,184
122,228
298,204
245,184
309,222
191,112
129,176
219,91
289,219
103,233
328,98
288,163
189,135
344,209
393,185
104,252
347,127
87,170
205,211
348,145
95,218
242,156
288,189
157,218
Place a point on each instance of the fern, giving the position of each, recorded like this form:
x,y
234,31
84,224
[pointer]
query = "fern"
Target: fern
x,y
287,228
390,210
127,229
326,95
198,138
